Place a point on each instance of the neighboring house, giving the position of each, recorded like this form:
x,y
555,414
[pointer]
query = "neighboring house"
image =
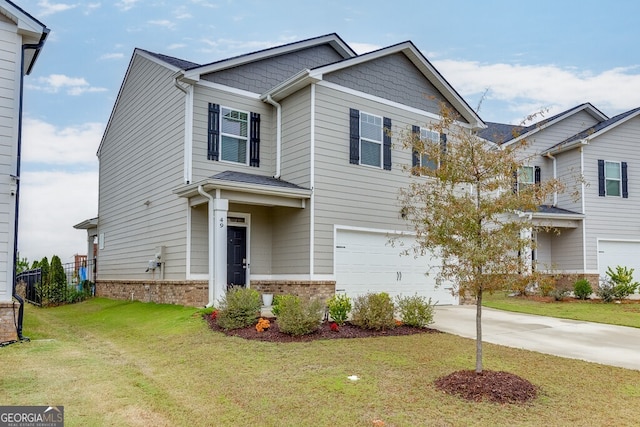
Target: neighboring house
x,y
278,170
21,39
594,222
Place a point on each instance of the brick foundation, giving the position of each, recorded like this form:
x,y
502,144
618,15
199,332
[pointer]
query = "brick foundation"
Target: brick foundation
x,y
568,279
7,322
196,293
324,289
190,293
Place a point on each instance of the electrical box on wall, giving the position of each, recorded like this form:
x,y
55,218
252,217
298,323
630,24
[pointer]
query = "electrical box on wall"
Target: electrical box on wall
x,y
159,254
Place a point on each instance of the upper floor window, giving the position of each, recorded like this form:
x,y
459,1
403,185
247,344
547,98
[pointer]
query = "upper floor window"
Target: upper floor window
x,y
612,179
234,139
526,177
233,135
429,136
369,139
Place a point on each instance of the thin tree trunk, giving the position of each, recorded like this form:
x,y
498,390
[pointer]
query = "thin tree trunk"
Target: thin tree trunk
x,y
479,332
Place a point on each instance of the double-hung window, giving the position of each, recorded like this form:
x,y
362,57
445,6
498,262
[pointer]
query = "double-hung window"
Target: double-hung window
x,y
526,177
234,140
233,136
429,137
613,178
369,139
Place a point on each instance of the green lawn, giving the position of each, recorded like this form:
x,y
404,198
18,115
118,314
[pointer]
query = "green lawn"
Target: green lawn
x,y
124,363
624,314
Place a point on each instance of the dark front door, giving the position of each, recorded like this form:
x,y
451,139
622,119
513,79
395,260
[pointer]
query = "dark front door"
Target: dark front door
x,y
236,256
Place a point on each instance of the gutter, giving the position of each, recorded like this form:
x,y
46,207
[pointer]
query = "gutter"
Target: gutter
x,y
211,244
278,134
14,294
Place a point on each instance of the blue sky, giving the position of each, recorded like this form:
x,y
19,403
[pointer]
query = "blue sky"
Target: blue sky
x,y
526,55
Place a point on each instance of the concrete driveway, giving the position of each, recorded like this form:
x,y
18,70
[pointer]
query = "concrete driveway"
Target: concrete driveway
x,y
593,342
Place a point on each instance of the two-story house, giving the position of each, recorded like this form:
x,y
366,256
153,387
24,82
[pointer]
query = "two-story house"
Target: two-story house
x,y
278,170
21,38
593,224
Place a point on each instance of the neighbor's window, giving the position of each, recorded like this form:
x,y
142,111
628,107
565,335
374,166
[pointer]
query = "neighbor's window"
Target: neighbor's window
x,y
370,140
613,178
526,177
429,136
234,139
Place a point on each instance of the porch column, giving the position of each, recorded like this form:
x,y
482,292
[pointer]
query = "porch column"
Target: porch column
x,y
220,210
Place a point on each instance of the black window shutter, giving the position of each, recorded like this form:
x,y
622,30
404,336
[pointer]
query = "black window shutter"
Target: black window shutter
x,y
443,144
536,174
354,136
386,143
625,186
601,186
515,182
415,156
254,140
213,148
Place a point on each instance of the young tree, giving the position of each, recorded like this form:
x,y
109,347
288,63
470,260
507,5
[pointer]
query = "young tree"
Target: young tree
x,y
465,209
22,264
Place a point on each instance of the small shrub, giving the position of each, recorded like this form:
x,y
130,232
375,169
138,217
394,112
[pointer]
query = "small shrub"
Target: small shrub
x,y
339,308
298,317
373,311
622,281
582,289
275,305
605,291
415,311
262,325
334,327
238,308
546,285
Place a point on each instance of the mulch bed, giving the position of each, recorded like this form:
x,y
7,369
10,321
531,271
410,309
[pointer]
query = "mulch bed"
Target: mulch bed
x,y
497,387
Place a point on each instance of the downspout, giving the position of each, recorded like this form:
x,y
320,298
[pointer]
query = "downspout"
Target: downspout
x,y
278,134
555,176
211,244
584,208
15,295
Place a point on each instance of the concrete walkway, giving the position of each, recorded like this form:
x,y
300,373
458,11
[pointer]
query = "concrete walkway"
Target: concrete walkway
x,y
593,342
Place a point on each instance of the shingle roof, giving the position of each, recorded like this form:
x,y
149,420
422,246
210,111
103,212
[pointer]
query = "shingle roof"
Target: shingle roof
x,y
255,179
177,62
548,209
500,132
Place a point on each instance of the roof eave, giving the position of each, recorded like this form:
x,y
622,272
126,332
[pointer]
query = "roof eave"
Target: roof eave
x,y
191,190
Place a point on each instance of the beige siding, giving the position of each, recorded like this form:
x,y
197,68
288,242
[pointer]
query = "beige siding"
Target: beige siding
x,y
141,161
200,239
291,236
204,168
612,217
296,141
566,250
354,195
569,173
9,93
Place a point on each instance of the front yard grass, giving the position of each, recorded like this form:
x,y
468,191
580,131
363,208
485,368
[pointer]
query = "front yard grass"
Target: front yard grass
x,y
626,313
132,364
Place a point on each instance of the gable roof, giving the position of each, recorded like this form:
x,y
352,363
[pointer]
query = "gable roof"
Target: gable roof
x,y
171,60
192,74
34,32
306,77
587,135
514,133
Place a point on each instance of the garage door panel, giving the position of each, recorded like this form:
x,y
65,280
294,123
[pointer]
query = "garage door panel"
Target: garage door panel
x,y
612,253
367,262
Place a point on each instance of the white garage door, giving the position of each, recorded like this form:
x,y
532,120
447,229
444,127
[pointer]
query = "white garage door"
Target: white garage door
x,y
366,262
612,253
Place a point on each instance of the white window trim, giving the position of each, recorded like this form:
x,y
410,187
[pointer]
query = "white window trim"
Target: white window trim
x,y
223,134
381,142
618,179
437,140
533,176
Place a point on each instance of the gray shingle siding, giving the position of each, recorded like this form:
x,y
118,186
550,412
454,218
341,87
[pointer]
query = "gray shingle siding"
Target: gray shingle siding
x,y
260,76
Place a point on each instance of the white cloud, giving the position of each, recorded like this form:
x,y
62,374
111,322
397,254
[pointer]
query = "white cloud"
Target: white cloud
x,y
528,88
91,7
49,8
107,56
163,23
125,5
361,48
174,46
74,145
205,3
61,192
57,82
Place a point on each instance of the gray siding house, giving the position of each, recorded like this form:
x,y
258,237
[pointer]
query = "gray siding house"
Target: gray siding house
x,y
594,223
278,170
21,39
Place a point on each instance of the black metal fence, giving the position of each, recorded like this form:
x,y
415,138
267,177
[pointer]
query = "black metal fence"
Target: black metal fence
x,y
76,285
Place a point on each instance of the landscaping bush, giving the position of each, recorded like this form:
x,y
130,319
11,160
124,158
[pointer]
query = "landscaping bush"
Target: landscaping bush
x,y
373,311
582,289
605,291
622,281
239,307
339,308
415,311
299,317
275,304
560,291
